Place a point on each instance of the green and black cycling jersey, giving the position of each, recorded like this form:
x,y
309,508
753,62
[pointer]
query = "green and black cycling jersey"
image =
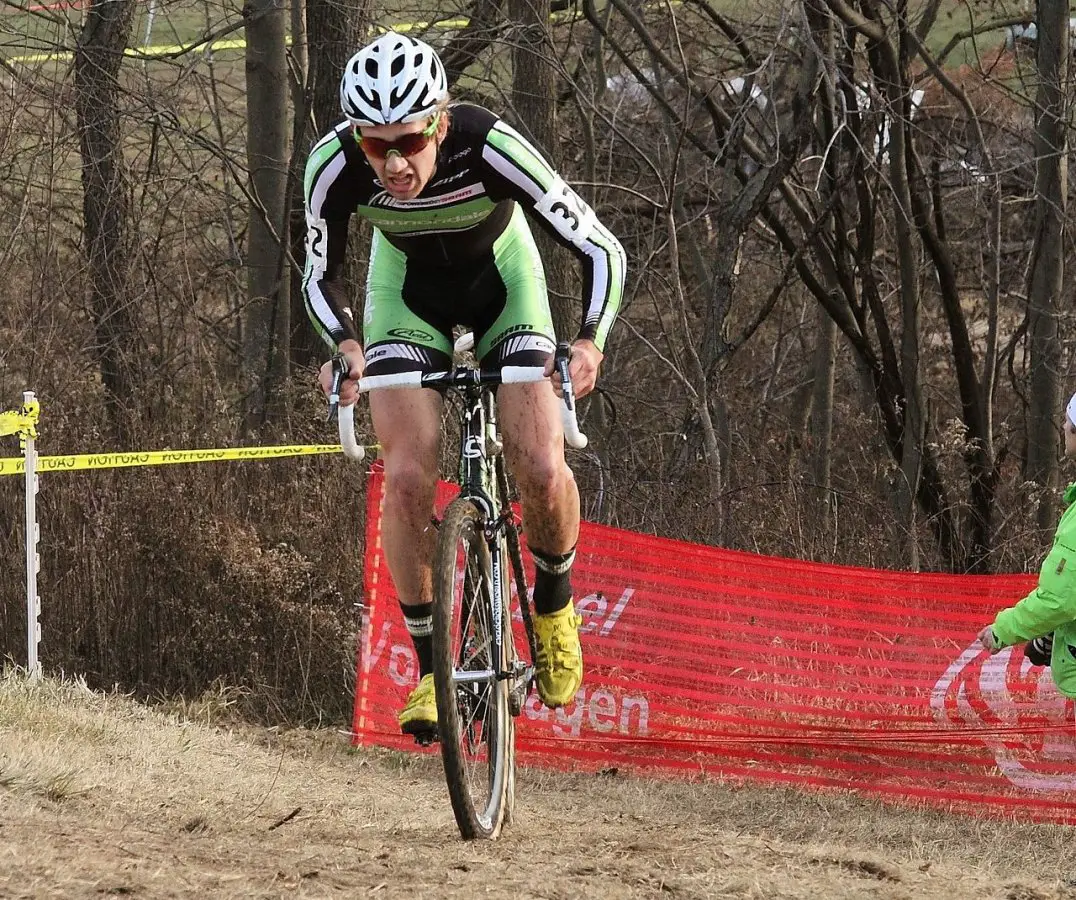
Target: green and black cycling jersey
x,y
459,251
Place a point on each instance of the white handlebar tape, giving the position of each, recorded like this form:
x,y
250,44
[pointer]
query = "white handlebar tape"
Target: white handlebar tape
x,y
345,418
399,379
522,374
573,437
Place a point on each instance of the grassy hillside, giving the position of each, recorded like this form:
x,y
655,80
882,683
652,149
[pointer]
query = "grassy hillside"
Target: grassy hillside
x,y
106,797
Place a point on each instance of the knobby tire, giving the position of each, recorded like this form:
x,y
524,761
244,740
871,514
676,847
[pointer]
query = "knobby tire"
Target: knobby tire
x,y
476,730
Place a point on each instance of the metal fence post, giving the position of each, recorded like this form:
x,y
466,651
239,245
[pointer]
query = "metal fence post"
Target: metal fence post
x,y
33,535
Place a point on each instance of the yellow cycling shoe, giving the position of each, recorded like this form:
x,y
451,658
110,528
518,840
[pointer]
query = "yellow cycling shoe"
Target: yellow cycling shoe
x,y
419,715
560,658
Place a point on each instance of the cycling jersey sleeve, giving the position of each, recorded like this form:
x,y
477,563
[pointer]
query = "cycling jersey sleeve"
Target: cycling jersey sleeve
x,y
522,173
329,203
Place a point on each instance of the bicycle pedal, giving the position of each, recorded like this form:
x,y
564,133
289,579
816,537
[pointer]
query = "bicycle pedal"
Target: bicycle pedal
x,y
515,702
517,697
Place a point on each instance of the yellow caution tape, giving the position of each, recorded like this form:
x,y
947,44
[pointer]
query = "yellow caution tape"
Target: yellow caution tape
x,y
23,423
17,465
141,52
11,423
404,27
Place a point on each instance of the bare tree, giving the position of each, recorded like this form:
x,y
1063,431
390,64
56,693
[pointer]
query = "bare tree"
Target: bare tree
x,y
1047,269
894,190
106,201
484,21
534,105
722,153
820,408
266,324
334,32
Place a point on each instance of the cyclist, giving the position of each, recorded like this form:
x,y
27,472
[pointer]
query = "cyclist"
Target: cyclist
x,y
1046,617
445,186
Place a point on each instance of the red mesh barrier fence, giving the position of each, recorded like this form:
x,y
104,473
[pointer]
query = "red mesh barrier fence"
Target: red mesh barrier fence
x,y
702,661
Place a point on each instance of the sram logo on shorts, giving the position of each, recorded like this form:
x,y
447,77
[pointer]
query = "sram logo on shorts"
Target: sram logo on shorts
x,y
513,330
411,334
1006,694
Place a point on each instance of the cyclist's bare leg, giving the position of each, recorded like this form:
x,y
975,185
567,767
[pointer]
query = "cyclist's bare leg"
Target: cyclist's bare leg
x,y
534,449
407,424
408,427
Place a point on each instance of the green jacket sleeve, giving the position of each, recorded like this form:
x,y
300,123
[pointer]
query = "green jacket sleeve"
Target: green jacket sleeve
x,y
1053,601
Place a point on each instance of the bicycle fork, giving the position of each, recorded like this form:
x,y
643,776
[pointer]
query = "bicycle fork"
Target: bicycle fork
x,y
500,537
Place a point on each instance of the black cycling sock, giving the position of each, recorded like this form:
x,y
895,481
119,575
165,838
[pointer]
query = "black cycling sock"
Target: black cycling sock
x,y
552,580
419,620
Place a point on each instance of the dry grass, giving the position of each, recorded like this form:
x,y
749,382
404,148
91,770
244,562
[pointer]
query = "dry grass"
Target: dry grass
x,y
108,797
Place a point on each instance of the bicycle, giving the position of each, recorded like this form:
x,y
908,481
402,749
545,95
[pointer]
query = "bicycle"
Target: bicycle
x,y
480,681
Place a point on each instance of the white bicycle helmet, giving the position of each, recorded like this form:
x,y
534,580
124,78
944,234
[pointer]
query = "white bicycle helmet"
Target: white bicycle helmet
x,y
393,79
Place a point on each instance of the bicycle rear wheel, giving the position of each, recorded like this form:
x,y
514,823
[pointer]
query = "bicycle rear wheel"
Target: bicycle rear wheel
x,y
475,727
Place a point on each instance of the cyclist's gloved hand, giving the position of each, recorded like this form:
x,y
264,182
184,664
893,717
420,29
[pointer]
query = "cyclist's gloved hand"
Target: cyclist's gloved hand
x,y
349,389
989,640
1039,650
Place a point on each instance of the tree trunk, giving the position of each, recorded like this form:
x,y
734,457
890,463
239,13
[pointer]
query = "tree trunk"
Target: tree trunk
x,y
889,63
266,324
334,33
820,455
302,342
1048,254
534,104
823,365
106,201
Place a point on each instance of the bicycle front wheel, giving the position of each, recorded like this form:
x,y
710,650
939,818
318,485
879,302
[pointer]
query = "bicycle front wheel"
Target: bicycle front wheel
x,y
472,701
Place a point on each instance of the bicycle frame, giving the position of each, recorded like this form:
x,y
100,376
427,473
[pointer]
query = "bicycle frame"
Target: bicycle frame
x,y
483,479
480,450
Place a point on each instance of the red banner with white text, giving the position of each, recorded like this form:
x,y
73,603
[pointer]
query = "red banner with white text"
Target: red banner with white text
x,y
703,661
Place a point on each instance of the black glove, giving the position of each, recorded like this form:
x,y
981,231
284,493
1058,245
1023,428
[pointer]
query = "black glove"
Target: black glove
x,y
1038,651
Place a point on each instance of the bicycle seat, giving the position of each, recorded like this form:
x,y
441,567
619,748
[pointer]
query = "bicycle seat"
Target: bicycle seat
x,y
464,342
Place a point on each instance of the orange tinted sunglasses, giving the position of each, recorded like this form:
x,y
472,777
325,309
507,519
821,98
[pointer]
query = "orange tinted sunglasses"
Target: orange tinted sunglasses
x,y
408,145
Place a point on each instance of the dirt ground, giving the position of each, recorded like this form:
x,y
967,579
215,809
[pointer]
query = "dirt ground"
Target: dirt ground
x,y
100,796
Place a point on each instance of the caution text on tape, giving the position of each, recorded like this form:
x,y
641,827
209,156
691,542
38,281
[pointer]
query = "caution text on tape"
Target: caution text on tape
x,y
17,465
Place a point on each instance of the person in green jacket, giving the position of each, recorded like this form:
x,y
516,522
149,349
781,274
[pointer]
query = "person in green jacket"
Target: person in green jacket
x,y
1046,617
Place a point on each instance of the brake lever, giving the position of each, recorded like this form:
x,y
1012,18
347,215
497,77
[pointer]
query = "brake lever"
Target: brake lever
x,y
562,356
340,369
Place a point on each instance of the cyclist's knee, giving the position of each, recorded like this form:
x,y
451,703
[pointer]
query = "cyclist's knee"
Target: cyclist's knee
x,y
543,477
410,479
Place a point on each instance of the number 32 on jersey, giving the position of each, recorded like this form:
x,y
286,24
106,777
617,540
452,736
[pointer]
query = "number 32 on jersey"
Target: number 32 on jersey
x,y
567,212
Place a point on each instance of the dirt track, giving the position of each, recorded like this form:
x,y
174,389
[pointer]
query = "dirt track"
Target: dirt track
x,y
102,797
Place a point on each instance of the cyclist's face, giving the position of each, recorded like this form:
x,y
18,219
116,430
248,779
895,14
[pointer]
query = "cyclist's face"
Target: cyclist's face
x,y
1070,438
405,176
